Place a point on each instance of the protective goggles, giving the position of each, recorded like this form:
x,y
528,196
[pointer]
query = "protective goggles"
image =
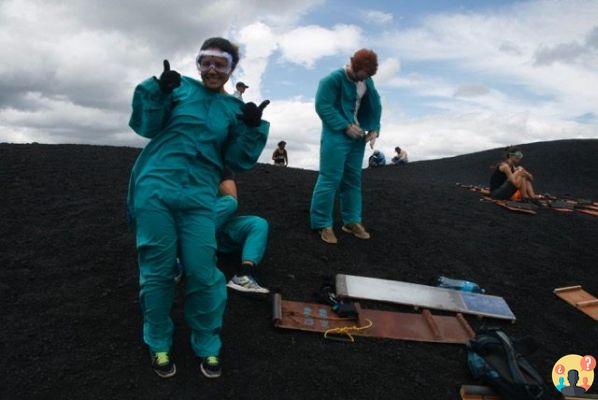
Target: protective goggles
x,y
516,154
222,66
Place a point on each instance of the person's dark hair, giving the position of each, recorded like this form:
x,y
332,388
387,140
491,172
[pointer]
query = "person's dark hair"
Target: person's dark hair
x,y
507,150
224,45
282,143
398,149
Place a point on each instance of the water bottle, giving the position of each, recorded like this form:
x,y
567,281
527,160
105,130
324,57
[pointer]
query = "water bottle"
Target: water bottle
x,y
458,284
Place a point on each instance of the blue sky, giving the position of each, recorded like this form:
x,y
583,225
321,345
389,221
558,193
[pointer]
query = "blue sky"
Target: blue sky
x,y
455,76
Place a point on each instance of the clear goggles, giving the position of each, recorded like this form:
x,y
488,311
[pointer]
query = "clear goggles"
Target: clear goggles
x,y
222,64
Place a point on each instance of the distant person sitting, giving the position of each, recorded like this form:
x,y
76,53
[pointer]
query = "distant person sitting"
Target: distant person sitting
x,y
241,87
511,181
401,157
280,155
573,389
377,159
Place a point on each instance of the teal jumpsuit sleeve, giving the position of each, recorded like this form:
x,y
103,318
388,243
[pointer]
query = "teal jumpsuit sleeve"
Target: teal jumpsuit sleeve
x,y
245,145
326,107
151,109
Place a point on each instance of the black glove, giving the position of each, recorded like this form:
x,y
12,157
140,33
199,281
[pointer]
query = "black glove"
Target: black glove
x,y
252,114
169,80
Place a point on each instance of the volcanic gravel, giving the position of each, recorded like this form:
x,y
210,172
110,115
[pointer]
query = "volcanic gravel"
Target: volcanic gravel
x,y
71,321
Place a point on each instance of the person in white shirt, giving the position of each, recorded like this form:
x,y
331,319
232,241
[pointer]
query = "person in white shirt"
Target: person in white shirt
x,y
241,87
401,157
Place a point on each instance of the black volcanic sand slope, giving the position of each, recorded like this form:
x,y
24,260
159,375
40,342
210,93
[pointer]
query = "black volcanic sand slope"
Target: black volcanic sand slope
x,y
69,279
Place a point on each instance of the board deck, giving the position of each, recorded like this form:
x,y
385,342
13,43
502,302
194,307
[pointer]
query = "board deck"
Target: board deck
x,y
580,299
423,296
421,327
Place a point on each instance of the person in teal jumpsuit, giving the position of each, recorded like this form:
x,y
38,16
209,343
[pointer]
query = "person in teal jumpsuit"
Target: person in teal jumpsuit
x,y
245,233
196,130
348,104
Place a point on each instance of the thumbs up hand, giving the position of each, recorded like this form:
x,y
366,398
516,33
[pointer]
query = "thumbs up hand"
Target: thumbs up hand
x,y
252,114
169,80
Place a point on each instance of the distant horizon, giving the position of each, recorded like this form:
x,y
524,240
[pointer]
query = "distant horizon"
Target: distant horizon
x,y
455,76
312,169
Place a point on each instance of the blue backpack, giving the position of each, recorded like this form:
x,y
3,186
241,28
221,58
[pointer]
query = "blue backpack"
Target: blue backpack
x,y
500,363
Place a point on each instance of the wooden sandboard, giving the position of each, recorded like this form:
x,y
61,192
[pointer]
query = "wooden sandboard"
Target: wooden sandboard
x,y
517,207
579,299
474,392
423,327
423,296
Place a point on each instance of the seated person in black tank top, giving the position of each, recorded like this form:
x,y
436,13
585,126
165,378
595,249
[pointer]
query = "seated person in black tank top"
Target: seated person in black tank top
x,y
510,181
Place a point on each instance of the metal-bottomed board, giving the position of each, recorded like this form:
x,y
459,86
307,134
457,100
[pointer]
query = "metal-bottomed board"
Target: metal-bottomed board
x,y
423,296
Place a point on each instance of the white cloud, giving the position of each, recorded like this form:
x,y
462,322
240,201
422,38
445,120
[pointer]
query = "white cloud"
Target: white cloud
x,y
296,122
306,44
377,17
387,71
452,134
259,43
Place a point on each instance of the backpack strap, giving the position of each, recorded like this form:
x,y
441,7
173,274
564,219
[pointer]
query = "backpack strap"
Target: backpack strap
x,y
517,365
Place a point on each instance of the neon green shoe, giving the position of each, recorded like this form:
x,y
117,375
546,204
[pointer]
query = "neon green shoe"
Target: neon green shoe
x,y
163,365
210,366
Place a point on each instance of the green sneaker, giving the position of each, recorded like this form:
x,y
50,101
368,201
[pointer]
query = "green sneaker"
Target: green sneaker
x,y
163,365
210,366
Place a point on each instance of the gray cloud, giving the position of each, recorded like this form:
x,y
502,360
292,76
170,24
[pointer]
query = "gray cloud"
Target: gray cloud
x,y
471,90
510,48
592,39
566,52
85,57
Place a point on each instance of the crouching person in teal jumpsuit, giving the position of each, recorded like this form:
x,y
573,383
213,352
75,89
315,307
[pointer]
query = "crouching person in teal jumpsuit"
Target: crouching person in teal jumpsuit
x,y
196,129
245,233
349,106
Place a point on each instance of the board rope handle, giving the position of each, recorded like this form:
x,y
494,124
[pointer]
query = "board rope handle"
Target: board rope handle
x,y
346,331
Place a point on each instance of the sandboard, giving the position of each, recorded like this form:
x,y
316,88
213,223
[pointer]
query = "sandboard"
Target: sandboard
x,y
422,296
423,327
588,212
579,299
474,392
517,206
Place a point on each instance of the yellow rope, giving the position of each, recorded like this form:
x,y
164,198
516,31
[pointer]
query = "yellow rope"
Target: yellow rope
x,y
347,330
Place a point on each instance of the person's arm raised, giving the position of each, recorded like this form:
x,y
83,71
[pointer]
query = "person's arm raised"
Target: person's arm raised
x,y
152,103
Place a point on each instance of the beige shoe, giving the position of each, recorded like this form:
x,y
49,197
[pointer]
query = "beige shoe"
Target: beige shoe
x,y
357,230
327,235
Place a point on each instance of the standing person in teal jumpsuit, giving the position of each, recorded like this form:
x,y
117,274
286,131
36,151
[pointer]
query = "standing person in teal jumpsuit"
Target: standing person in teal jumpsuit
x,y
196,129
245,233
349,106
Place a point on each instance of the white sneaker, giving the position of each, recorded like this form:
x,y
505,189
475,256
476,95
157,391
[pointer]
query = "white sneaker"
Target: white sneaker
x,y
246,283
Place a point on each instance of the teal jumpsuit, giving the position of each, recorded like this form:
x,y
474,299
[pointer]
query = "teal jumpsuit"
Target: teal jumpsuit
x,y
341,156
248,233
194,133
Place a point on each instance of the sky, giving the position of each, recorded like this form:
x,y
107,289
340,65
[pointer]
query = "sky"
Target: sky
x,y
455,76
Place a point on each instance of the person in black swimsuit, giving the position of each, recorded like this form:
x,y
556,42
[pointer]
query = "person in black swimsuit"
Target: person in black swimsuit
x,y
280,156
510,180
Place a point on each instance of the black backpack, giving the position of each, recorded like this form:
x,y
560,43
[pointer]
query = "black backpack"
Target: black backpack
x,y
500,363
